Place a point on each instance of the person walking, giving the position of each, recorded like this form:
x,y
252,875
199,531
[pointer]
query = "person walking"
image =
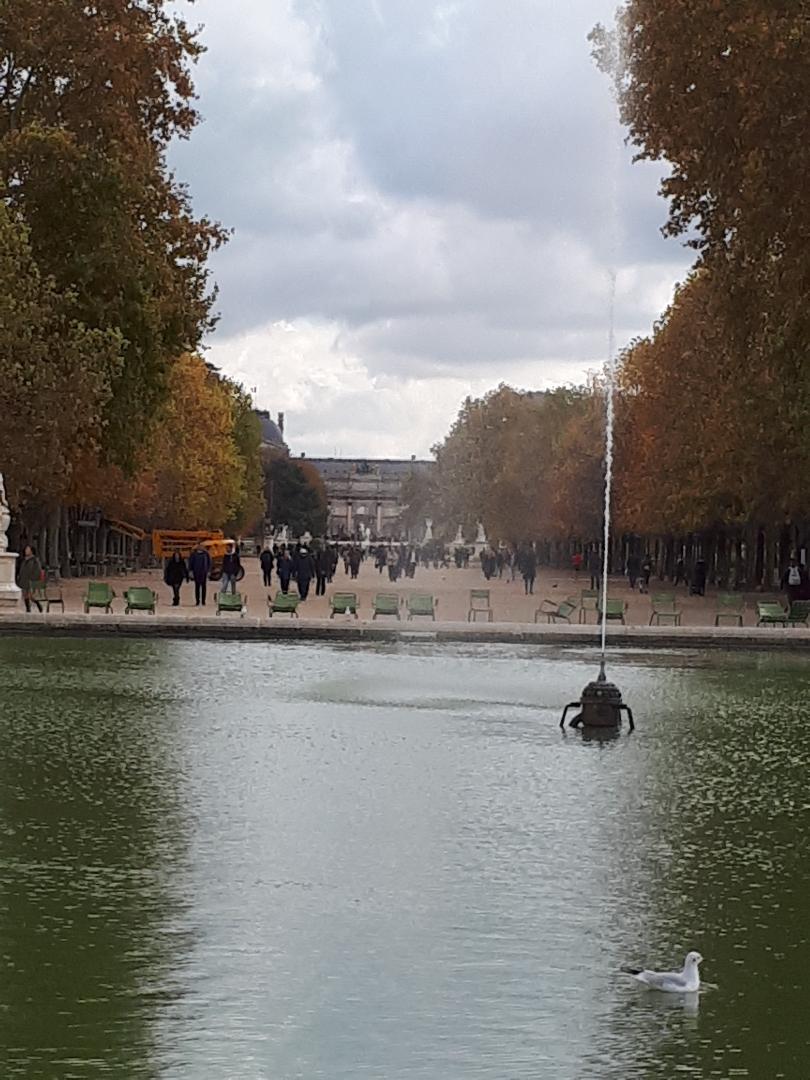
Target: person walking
x,y
323,568
174,575
680,571
199,566
29,576
231,569
793,580
266,563
304,571
633,569
528,569
284,569
354,560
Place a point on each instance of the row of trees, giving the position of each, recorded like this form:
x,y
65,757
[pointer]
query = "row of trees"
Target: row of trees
x,y
713,450
104,290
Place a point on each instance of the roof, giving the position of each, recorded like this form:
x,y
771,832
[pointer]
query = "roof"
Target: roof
x,y
384,467
271,432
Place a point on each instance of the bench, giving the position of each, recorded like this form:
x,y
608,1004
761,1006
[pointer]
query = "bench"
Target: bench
x,y
555,612
729,606
343,603
479,604
283,604
613,611
421,604
664,606
231,602
771,614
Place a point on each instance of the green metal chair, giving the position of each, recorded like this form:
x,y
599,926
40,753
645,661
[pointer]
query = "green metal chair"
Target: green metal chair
x,y
554,612
729,606
588,601
99,594
614,611
283,604
386,604
479,604
799,613
664,606
139,598
421,604
231,602
343,603
771,614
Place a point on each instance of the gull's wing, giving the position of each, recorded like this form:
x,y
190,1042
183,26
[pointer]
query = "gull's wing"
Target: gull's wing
x,y
672,981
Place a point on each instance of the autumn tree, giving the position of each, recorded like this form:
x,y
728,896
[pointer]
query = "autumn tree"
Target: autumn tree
x,y
90,97
55,377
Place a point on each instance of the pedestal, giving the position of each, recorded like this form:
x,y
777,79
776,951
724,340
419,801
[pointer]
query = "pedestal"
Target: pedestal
x,y
10,595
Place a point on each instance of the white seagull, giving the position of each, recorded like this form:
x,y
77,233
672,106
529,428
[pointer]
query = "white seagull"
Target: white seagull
x,y
673,982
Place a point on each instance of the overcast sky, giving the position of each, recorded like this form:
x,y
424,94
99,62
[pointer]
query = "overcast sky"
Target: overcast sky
x,y
426,200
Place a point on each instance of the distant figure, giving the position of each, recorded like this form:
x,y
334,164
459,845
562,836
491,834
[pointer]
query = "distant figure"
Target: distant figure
x,y
304,571
680,571
633,568
266,561
174,575
699,579
199,565
355,557
323,568
28,577
793,580
284,569
576,561
380,559
646,573
528,569
231,569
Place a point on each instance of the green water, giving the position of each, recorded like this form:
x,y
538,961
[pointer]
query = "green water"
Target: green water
x,y
253,861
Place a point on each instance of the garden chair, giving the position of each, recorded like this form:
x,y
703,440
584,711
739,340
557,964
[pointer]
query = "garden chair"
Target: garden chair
x,y
588,601
799,613
283,604
99,594
343,603
47,593
555,612
235,602
421,604
771,614
664,606
729,606
613,611
386,604
139,598
479,603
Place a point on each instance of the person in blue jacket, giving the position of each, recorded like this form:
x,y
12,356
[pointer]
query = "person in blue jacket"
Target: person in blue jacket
x,y
199,565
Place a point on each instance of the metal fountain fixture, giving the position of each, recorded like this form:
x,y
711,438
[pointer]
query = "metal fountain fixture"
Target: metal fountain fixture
x,y
600,705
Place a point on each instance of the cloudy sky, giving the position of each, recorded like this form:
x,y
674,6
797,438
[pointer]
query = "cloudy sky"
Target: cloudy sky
x,y
426,200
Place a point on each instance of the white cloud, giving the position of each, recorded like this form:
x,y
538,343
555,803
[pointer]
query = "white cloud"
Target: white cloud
x,y
423,207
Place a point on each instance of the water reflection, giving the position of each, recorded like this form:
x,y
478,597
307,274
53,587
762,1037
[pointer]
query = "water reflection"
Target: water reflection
x,y
91,833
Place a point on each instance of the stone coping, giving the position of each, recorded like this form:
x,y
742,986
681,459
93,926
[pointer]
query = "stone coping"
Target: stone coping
x,y
283,628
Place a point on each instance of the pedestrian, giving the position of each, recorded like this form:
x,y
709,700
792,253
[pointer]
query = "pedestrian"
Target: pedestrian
x,y
633,568
323,566
354,559
304,571
266,563
646,573
698,587
199,565
231,569
29,576
174,575
680,571
284,569
528,569
792,580
576,562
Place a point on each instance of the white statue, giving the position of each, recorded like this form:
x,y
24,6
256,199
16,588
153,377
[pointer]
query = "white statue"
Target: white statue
x,y
459,540
481,536
5,516
428,531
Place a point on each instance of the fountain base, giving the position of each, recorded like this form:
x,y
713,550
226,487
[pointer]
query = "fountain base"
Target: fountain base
x,y
600,705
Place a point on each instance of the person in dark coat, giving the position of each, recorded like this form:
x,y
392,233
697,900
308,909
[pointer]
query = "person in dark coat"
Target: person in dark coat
x,y
304,571
698,587
266,563
231,569
355,558
323,568
680,571
174,575
528,569
28,577
793,581
284,569
199,566
633,569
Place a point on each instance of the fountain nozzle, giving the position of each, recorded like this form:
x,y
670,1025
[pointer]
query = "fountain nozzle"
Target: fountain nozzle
x,y
600,705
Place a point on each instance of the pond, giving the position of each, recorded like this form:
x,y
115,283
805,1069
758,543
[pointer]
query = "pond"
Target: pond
x,y
258,861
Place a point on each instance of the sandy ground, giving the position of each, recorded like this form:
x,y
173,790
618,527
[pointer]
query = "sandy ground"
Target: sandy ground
x,y
450,587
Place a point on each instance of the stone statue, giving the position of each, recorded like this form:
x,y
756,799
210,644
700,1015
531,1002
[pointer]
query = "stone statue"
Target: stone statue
x,y
459,540
428,531
5,516
481,536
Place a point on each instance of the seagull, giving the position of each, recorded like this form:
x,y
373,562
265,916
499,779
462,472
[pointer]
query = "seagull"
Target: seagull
x,y
673,982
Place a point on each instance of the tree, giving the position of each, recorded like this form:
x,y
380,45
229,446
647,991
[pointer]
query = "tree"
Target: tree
x,y
90,97
55,378
293,497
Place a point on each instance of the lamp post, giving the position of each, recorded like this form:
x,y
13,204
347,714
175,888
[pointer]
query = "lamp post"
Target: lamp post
x,y
9,593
